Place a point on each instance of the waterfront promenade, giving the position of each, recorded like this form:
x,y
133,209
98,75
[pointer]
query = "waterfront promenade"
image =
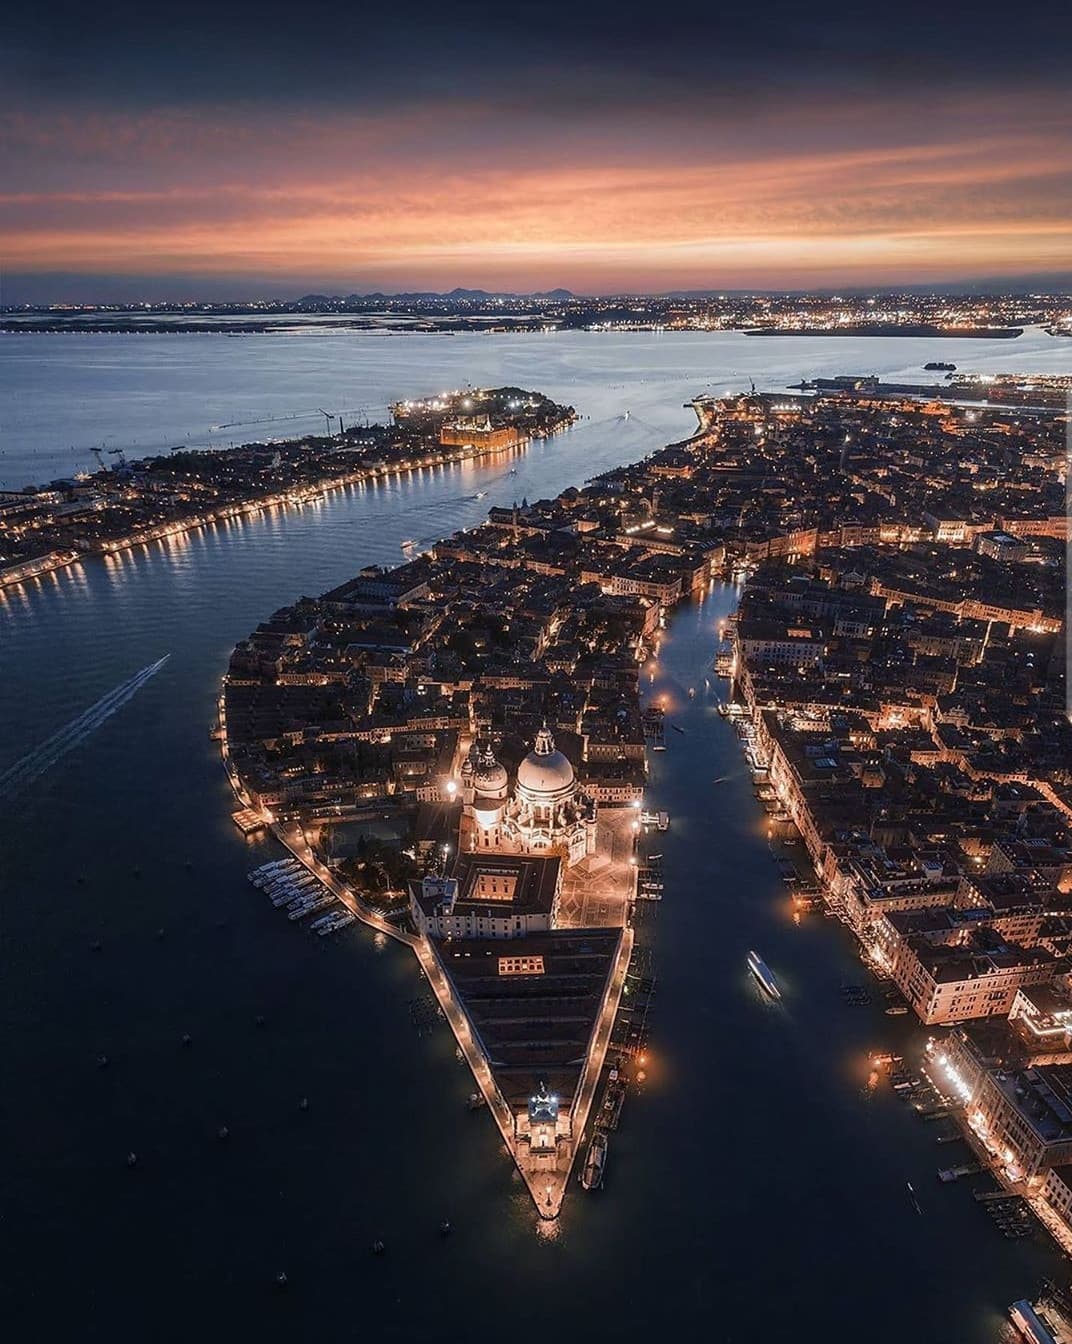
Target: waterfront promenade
x,y
548,1189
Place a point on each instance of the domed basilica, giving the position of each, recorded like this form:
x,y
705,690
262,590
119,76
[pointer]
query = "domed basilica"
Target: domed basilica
x,y
545,813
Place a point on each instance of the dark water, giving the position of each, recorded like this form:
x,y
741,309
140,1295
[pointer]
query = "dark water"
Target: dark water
x,y
757,1189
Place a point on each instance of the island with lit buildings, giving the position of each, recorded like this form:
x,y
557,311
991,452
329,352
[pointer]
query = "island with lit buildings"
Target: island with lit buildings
x,y
135,503
457,745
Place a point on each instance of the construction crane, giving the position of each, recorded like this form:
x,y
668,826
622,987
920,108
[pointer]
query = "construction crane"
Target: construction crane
x,y
328,417
118,453
100,458
362,411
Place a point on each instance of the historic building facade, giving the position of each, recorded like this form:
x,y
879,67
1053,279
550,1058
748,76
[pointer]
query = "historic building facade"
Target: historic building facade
x,y
544,812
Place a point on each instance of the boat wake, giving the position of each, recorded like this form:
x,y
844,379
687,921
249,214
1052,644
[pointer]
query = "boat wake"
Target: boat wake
x,y
32,766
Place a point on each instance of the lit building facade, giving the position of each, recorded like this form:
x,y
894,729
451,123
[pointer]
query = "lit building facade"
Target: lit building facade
x,y
545,813
480,433
488,896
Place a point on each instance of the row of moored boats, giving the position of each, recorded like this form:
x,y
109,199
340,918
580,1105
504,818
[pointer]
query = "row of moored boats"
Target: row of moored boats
x,y
291,887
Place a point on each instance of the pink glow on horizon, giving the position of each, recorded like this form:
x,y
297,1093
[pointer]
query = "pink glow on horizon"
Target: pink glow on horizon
x,y
433,197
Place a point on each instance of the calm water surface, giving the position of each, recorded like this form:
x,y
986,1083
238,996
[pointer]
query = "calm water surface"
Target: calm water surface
x,y
757,1185
62,395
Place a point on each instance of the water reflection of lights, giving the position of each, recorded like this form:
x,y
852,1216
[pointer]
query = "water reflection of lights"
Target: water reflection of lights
x,y
956,1078
548,1229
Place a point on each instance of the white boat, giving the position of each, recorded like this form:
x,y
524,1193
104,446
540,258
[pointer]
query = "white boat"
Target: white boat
x,y
332,922
281,884
300,898
303,880
277,876
287,884
298,882
260,876
762,972
283,875
311,907
271,866
300,907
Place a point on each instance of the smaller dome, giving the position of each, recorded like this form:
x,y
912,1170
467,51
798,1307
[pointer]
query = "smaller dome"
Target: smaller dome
x,y
545,771
489,777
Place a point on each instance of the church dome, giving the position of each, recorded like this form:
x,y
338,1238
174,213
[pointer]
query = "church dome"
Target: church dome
x,y
489,777
545,774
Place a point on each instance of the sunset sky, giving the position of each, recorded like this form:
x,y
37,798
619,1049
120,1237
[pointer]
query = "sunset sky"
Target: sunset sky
x,y
599,146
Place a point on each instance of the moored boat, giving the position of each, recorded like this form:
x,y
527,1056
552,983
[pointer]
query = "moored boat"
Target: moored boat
x,y
592,1176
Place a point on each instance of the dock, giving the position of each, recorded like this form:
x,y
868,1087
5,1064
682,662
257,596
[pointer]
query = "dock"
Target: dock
x,y
248,821
954,1173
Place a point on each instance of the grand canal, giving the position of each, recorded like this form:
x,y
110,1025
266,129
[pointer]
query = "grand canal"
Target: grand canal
x,y
758,1185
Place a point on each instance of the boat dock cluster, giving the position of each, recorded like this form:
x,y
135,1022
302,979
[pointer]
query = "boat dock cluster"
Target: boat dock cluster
x,y
291,887
653,723
1012,1214
627,1058
650,878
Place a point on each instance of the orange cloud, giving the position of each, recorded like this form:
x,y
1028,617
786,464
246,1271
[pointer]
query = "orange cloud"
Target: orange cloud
x,y
434,199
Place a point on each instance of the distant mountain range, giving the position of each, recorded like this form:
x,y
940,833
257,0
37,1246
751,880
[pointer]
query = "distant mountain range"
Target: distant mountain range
x,y
428,296
1058,283
18,292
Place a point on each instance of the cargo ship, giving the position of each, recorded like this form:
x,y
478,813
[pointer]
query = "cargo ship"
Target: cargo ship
x,y
762,972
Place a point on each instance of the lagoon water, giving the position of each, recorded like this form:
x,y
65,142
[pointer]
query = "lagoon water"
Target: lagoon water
x,y
63,395
756,1189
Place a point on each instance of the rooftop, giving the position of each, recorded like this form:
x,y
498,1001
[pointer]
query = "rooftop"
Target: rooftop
x,y
535,1027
